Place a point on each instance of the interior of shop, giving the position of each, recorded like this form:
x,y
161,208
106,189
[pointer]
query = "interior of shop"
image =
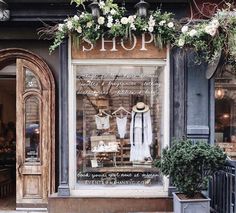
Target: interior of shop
x,y
8,137
225,110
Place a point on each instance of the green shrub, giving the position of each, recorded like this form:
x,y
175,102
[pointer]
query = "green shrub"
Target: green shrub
x,y
190,165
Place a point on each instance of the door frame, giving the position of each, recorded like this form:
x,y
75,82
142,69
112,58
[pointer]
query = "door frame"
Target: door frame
x,y
9,56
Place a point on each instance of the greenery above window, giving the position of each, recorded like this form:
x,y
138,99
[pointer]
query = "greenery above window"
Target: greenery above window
x,y
211,37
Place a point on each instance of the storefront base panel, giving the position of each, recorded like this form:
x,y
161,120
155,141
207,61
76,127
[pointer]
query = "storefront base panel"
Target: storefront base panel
x,y
108,205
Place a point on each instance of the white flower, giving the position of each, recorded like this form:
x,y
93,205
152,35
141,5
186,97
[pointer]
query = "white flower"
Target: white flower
x,y
106,10
76,18
124,20
170,24
69,25
89,24
151,21
184,29
81,15
79,29
215,23
109,24
150,29
132,26
161,23
101,20
210,30
113,12
117,21
101,4
131,19
193,33
110,19
61,27
181,42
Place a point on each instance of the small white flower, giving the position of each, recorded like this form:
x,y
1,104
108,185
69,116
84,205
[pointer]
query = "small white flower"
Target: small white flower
x,y
117,21
151,23
132,26
81,15
109,24
101,20
106,10
184,29
215,23
97,27
161,23
113,12
69,25
170,24
110,19
210,30
181,42
131,19
76,18
79,29
193,33
124,20
89,24
101,4
150,29
61,27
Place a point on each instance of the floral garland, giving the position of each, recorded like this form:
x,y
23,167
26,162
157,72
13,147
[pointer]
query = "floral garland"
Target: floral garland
x,y
113,23
211,37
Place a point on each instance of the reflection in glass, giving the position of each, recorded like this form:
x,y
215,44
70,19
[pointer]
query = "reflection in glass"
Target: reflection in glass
x,y
106,97
31,80
225,110
32,129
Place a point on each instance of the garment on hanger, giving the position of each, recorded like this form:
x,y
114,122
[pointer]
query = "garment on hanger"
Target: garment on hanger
x,y
121,126
102,122
140,136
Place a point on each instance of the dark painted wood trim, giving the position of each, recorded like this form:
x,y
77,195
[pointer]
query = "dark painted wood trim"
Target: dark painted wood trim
x,y
212,111
63,188
178,93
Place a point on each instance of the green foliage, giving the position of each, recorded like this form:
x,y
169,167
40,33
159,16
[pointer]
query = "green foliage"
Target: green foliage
x,y
190,165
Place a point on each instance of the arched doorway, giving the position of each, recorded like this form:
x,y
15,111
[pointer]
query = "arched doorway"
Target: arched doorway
x,y
35,130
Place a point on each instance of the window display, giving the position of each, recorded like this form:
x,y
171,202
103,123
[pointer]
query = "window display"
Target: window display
x,y
118,124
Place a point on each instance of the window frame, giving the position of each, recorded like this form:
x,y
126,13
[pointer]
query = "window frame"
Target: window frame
x,y
120,191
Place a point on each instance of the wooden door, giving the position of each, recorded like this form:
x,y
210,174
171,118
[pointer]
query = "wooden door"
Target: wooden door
x,y
34,126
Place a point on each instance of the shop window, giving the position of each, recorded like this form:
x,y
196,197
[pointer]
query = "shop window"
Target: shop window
x,y
119,124
225,111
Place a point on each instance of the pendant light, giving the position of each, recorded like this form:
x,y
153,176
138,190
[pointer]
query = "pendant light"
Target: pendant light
x,y
142,8
94,6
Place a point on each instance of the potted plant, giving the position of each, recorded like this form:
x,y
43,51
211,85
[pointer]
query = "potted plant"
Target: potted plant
x,y
190,166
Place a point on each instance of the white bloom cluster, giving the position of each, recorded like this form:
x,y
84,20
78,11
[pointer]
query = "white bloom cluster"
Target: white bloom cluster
x,y
61,27
76,18
110,20
79,29
161,23
151,24
181,42
101,20
113,12
89,24
131,20
212,27
184,29
69,25
124,20
101,4
170,24
192,33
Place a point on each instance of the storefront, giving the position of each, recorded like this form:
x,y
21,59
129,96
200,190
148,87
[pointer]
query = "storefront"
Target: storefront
x,y
92,119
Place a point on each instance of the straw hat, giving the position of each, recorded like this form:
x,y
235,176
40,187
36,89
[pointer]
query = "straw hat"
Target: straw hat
x,y
140,107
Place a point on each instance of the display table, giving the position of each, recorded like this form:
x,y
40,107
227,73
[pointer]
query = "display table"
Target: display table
x,y
112,152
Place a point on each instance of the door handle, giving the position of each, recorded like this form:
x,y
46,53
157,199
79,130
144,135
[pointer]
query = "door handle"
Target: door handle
x,y
19,168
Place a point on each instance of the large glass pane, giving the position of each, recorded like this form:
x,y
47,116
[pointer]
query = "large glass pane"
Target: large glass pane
x,y
225,110
118,124
32,129
31,81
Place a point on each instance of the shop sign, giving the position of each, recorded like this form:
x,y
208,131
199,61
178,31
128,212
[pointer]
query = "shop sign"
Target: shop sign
x,y
137,47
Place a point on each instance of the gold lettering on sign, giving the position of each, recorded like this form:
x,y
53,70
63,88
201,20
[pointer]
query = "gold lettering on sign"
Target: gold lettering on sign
x,y
134,41
113,41
144,42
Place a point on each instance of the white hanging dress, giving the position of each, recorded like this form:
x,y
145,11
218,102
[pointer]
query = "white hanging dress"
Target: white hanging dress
x,y
121,126
102,122
140,136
